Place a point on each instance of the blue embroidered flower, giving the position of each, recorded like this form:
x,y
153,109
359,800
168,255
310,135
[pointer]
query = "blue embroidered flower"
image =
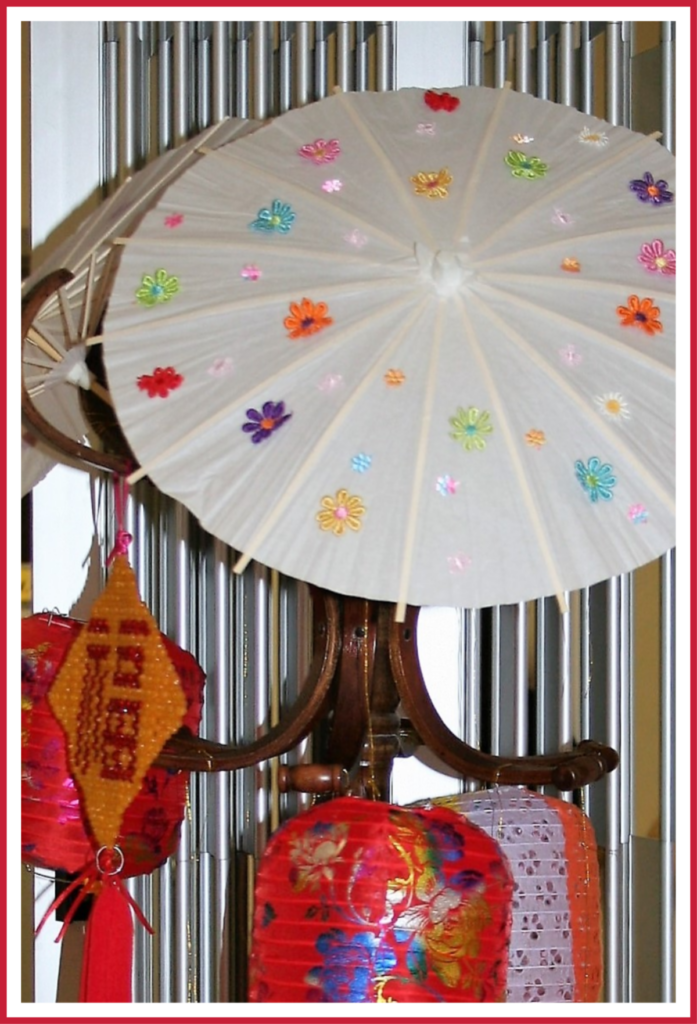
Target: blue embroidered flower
x,y
279,218
351,964
361,462
597,478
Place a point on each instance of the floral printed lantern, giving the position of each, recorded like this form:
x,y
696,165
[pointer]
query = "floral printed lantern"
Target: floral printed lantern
x,y
556,947
360,901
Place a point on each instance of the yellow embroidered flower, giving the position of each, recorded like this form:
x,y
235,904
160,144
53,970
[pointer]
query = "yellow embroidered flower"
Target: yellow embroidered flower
x,y
535,438
394,378
433,184
613,405
344,510
571,264
314,854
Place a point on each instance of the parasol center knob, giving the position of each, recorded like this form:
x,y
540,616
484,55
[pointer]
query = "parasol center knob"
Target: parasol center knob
x,y
446,271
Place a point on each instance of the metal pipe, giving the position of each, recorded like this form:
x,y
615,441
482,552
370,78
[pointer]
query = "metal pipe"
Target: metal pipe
x,y
520,697
321,49
466,62
586,104
164,88
361,56
110,109
566,63
565,722
181,82
203,75
262,680
499,55
495,733
543,55
127,104
613,71
476,53
244,29
221,70
385,56
303,70
668,777
285,66
473,684
541,676
668,85
262,65
586,666
522,56
344,76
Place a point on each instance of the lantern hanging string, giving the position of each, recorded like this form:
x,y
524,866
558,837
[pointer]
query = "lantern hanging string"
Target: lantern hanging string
x,y
123,538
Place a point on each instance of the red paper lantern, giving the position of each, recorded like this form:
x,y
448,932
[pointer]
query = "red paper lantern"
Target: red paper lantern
x,y
55,831
556,935
361,901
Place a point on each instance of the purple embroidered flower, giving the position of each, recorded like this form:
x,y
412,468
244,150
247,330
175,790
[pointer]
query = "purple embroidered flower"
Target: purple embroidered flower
x,y
656,258
321,151
262,424
650,191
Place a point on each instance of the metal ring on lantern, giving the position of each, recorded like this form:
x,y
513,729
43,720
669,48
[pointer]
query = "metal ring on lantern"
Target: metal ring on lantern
x,y
110,849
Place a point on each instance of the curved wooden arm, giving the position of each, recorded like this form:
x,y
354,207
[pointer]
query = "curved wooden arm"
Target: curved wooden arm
x,y
31,304
186,752
566,770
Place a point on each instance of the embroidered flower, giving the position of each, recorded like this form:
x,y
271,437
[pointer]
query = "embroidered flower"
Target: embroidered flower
x,y
394,378
637,514
160,382
425,128
361,463
159,287
433,184
470,427
522,139
356,238
330,382
535,438
332,185
445,485
592,138
278,217
459,563
353,965
314,853
561,218
571,264
650,191
656,258
640,313
307,318
173,220
613,406
251,272
597,478
441,101
262,424
321,151
570,355
221,367
523,166
342,511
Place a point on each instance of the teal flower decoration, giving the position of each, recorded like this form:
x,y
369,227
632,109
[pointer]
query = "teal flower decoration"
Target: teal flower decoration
x,y
524,166
470,427
158,287
279,218
597,478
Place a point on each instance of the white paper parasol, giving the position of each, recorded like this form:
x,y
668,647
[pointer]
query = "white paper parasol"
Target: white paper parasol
x,y
417,347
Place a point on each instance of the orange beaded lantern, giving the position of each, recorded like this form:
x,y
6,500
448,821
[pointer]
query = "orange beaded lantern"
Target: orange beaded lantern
x,y
556,935
360,901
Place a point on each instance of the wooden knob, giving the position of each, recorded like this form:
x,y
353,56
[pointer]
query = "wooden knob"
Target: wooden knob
x,y
313,778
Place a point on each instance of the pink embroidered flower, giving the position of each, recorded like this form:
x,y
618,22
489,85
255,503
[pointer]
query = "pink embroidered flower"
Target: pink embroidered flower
x,y
251,272
459,563
330,382
570,355
356,238
637,513
321,151
445,485
173,220
332,185
221,367
160,382
561,218
656,258
425,128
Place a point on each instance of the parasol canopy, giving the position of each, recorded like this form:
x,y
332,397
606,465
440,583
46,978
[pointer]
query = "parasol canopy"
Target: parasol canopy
x,y
413,346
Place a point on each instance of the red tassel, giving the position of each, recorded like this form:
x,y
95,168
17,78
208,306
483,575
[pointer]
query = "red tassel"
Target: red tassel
x,y
108,956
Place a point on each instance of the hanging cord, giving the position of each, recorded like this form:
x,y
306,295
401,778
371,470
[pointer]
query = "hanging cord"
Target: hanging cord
x,y
123,539
372,785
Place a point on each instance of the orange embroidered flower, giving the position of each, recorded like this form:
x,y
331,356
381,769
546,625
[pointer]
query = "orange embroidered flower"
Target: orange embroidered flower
x,y
432,184
640,313
535,438
394,378
571,264
307,318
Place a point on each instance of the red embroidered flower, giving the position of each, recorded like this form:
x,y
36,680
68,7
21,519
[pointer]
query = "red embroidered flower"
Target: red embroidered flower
x,y
160,382
441,101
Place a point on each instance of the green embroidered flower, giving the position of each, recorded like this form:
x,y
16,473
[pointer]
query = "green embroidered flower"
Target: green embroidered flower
x,y
470,427
524,166
159,287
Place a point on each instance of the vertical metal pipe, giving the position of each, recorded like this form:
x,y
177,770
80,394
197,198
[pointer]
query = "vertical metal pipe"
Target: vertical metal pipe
x,y
522,56
261,699
385,56
128,88
262,68
110,108
219,723
164,88
499,55
668,777
181,82
361,56
285,66
321,51
627,53
520,698
344,76
567,79
495,732
565,724
613,73
543,54
476,53
668,84
221,70
466,61
541,675
244,29
303,71
203,75
585,685
586,104
473,683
